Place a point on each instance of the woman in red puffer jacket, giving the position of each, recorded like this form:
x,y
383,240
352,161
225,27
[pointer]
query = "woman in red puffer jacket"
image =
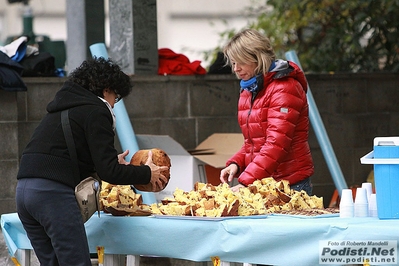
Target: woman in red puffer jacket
x,y
273,115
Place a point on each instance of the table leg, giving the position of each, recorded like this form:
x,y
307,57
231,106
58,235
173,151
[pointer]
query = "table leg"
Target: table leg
x,y
132,260
114,260
225,263
23,257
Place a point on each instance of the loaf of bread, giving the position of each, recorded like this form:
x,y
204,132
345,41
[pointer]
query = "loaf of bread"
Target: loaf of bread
x,y
159,158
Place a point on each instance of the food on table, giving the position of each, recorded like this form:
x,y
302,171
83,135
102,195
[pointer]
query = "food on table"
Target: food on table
x,y
262,197
159,158
121,200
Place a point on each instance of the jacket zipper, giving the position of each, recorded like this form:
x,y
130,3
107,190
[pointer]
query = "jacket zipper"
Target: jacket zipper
x,y
249,114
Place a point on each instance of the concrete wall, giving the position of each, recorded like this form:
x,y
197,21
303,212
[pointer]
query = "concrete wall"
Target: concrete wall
x,y
355,108
189,27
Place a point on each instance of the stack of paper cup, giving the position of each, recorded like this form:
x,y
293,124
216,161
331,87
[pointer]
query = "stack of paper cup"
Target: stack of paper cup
x,y
369,189
346,208
361,206
373,206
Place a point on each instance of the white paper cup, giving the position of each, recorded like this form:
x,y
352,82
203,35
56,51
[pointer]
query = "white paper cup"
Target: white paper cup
x,y
361,210
369,189
373,206
361,207
346,208
346,196
346,211
361,196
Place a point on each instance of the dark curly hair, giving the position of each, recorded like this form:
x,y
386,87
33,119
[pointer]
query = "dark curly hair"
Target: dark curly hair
x,y
97,74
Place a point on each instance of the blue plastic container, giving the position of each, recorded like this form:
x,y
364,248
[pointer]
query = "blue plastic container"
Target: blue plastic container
x,y
385,159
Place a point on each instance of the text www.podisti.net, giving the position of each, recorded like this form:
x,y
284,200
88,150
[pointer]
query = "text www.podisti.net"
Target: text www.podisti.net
x,y
358,252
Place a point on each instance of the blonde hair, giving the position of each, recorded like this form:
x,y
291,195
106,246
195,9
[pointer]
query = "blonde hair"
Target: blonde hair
x,y
250,46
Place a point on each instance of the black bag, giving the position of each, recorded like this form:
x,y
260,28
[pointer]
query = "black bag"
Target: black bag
x,y
41,64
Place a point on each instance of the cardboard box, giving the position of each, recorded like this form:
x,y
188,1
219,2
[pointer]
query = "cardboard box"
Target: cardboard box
x,y
214,152
385,158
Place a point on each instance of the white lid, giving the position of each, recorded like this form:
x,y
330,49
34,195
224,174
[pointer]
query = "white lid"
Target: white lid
x,y
386,141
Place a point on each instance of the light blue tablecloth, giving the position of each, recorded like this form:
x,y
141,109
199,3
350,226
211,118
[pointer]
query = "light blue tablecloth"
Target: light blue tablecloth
x,y
276,239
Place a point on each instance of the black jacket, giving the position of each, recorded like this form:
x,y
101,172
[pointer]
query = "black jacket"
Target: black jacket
x,y
46,155
10,74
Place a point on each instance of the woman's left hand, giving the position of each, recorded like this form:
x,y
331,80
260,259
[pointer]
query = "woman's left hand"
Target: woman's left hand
x,y
122,156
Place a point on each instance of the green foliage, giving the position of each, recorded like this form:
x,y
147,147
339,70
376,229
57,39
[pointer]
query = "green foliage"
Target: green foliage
x,y
332,35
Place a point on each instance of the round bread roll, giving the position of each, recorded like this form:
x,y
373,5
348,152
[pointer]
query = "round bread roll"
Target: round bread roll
x,y
159,158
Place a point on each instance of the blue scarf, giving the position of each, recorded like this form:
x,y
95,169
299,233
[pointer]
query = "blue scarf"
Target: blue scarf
x,y
249,85
252,83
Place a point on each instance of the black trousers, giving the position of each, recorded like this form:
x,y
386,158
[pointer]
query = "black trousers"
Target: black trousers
x,y
50,215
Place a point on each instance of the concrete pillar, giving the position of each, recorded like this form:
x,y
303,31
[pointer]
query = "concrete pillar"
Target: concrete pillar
x,y
85,26
133,35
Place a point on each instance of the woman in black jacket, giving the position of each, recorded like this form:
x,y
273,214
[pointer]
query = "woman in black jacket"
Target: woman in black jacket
x,y
45,196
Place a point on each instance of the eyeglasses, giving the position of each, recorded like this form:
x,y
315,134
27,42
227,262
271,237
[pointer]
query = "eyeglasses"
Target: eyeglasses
x,y
118,97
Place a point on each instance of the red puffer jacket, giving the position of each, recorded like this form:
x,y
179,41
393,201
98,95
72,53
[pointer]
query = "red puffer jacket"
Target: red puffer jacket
x,y
275,127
